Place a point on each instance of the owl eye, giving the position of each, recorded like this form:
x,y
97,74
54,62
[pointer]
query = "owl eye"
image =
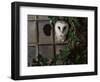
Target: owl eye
x,y
64,28
59,27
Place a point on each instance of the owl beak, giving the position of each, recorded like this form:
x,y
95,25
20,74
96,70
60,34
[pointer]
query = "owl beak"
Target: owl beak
x,y
61,36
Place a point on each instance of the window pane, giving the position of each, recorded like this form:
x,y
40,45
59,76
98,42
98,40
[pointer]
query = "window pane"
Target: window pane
x,y
32,32
31,17
43,18
45,32
31,55
46,55
46,51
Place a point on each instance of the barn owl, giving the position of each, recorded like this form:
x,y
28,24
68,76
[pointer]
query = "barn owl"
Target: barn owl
x,y
61,29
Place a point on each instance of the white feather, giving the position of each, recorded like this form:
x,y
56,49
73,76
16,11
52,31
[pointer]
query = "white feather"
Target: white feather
x,y
60,33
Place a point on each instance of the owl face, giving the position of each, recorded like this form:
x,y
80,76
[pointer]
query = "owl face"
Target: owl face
x,y
61,29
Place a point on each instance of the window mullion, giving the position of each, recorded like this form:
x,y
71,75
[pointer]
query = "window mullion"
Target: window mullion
x,y
37,29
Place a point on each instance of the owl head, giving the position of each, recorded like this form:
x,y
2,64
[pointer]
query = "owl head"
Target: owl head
x,y
61,29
